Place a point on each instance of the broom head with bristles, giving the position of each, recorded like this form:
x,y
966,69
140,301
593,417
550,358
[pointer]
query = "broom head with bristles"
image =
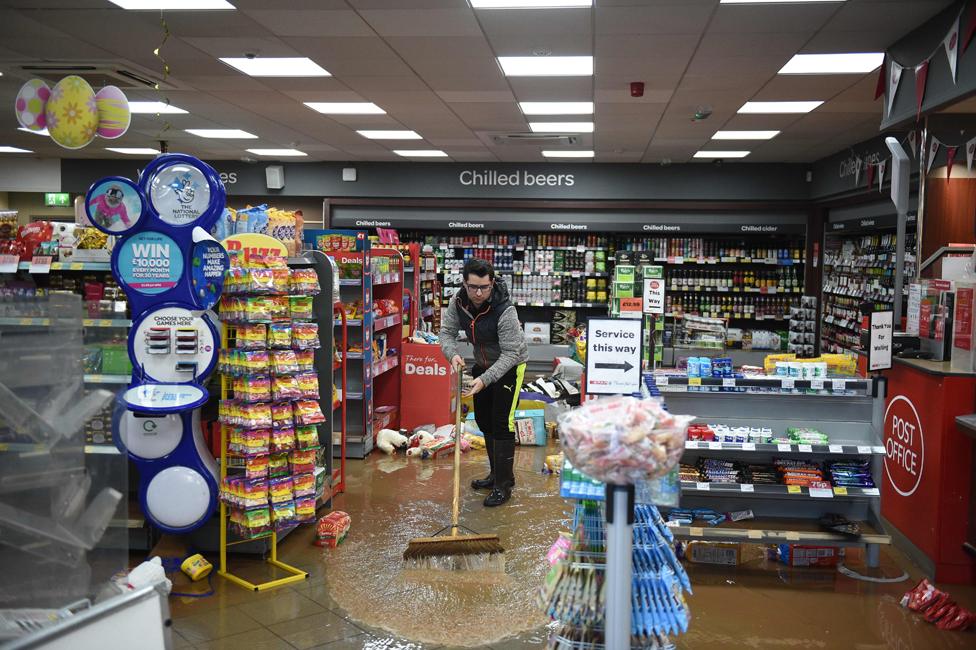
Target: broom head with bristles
x,y
456,552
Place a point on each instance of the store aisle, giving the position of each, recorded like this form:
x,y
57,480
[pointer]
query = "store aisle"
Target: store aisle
x,y
358,597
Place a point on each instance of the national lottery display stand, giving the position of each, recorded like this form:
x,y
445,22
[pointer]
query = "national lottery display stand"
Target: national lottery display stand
x,y
172,272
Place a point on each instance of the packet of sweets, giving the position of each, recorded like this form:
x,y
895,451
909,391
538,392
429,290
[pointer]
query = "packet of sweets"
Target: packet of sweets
x,y
282,440
300,308
252,336
278,306
285,362
258,308
260,281
256,466
306,436
283,515
304,485
281,489
254,493
308,412
302,460
278,464
256,521
308,385
286,387
305,336
305,360
279,336
256,362
282,415
256,441
305,509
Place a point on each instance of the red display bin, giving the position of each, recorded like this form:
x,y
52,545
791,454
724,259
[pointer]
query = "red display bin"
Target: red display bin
x,y
928,464
427,385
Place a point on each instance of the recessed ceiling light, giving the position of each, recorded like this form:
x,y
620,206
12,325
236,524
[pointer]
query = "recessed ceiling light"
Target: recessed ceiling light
x,y
134,151
778,107
745,135
5,149
178,5
277,152
529,4
346,108
230,134
390,135
772,2
850,63
41,132
301,66
722,154
420,153
155,107
556,108
561,127
546,66
567,154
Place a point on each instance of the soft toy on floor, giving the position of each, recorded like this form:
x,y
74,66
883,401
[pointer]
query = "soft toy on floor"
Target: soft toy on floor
x,y
389,441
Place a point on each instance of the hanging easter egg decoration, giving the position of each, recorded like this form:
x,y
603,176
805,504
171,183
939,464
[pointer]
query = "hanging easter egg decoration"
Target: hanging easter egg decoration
x,y
113,112
30,103
71,112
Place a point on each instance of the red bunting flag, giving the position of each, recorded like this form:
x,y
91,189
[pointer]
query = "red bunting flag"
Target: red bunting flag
x,y
921,74
882,166
870,174
931,154
912,143
950,158
880,88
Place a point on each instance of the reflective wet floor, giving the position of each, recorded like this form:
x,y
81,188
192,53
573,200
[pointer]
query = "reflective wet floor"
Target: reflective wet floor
x,y
359,596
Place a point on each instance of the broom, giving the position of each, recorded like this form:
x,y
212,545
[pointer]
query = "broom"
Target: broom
x,y
455,551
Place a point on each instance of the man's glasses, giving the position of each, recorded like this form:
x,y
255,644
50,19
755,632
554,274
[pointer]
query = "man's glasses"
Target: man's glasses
x,y
478,288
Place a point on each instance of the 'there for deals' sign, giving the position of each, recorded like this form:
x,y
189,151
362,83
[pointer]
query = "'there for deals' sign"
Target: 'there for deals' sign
x,y
613,356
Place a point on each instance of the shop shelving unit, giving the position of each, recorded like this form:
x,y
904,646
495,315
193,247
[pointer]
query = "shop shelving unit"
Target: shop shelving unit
x,y
385,370
340,344
849,410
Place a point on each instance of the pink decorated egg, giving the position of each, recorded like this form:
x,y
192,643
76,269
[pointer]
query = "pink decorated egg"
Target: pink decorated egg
x,y
30,104
113,112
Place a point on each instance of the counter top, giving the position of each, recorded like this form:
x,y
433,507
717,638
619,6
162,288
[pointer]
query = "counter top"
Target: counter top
x,y
967,423
943,368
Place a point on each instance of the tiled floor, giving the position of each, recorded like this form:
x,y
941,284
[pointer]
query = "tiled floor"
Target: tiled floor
x,y
353,590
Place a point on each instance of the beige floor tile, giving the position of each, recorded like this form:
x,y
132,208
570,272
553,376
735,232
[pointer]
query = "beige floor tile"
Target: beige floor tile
x,y
215,624
180,642
278,607
315,630
260,639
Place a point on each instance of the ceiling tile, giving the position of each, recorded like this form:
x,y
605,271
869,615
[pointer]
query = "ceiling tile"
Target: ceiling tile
x,y
431,47
772,18
537,21
552,89
422,22
457,96
684,18
319,24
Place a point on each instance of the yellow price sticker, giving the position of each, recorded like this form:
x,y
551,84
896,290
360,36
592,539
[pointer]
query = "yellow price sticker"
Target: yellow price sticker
x,y
793,536
793,489
840,491
694,381
76,266
26,321
87,322
755,534
105,322
696,532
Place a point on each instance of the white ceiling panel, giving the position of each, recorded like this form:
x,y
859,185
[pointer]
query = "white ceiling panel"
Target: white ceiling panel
x,y
433,47
536,21
772,18
680,18
369,84
224,46
422,22
397,4
459,96
482,116
625,111
787,87
621,95
894,18
319,24
552,89
642,46
529,44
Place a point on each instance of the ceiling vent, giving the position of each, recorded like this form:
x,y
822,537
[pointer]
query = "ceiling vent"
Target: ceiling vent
x,y
537,139
98,75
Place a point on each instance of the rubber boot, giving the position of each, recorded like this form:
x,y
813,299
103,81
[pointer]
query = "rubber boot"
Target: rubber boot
x,y
504,473
487,482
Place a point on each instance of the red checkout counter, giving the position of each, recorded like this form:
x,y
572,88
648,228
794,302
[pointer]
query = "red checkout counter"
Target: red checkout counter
x,y
927,491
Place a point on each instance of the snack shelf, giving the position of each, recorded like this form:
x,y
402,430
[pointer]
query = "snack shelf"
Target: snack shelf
x,y
354,396
352,322
765,291
768,261
72,266
784,448
85,322
517,247
354,355
350,282
386,322
842,322
385,366
561,303
677,383
729,315
777,531
565,274
778,491
108,379
385,278
109,450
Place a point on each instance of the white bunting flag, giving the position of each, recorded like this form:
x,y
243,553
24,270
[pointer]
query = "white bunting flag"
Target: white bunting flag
x,y
912,145
970,152
894,77
881,172
857,172
951,44
932,153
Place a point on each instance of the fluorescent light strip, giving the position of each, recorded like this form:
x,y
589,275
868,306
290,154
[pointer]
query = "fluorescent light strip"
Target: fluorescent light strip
x,y
6,149
561,127
568,154
778,107
722,154
529,4
277,152
773,2
745,135
546,66
143,108
390,135
420,153
41,132
850,63
134,151
228,134
346,108
556,108
277,66
175,5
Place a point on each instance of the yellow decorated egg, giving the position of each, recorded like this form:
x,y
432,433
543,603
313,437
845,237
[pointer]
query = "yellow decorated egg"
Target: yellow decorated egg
x,y
113,112
72,113
30,104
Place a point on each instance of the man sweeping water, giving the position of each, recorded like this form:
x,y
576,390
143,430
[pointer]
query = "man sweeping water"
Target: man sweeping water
x,y
483,311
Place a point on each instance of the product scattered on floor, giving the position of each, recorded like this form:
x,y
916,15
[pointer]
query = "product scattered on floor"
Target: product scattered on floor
x,y
332,529
389,441
802,555
623,440
937,607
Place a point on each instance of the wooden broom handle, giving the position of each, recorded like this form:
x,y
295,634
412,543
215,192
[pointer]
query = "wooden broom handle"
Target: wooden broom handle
x,y
456,514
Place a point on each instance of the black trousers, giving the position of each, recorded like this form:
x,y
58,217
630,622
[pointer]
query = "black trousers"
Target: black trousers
x,y
494,407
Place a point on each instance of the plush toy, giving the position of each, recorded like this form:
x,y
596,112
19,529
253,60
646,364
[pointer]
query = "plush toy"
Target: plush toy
x,y
421,439
389,441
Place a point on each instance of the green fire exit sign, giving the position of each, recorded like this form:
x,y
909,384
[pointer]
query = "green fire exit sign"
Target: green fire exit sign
x,y
57,200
